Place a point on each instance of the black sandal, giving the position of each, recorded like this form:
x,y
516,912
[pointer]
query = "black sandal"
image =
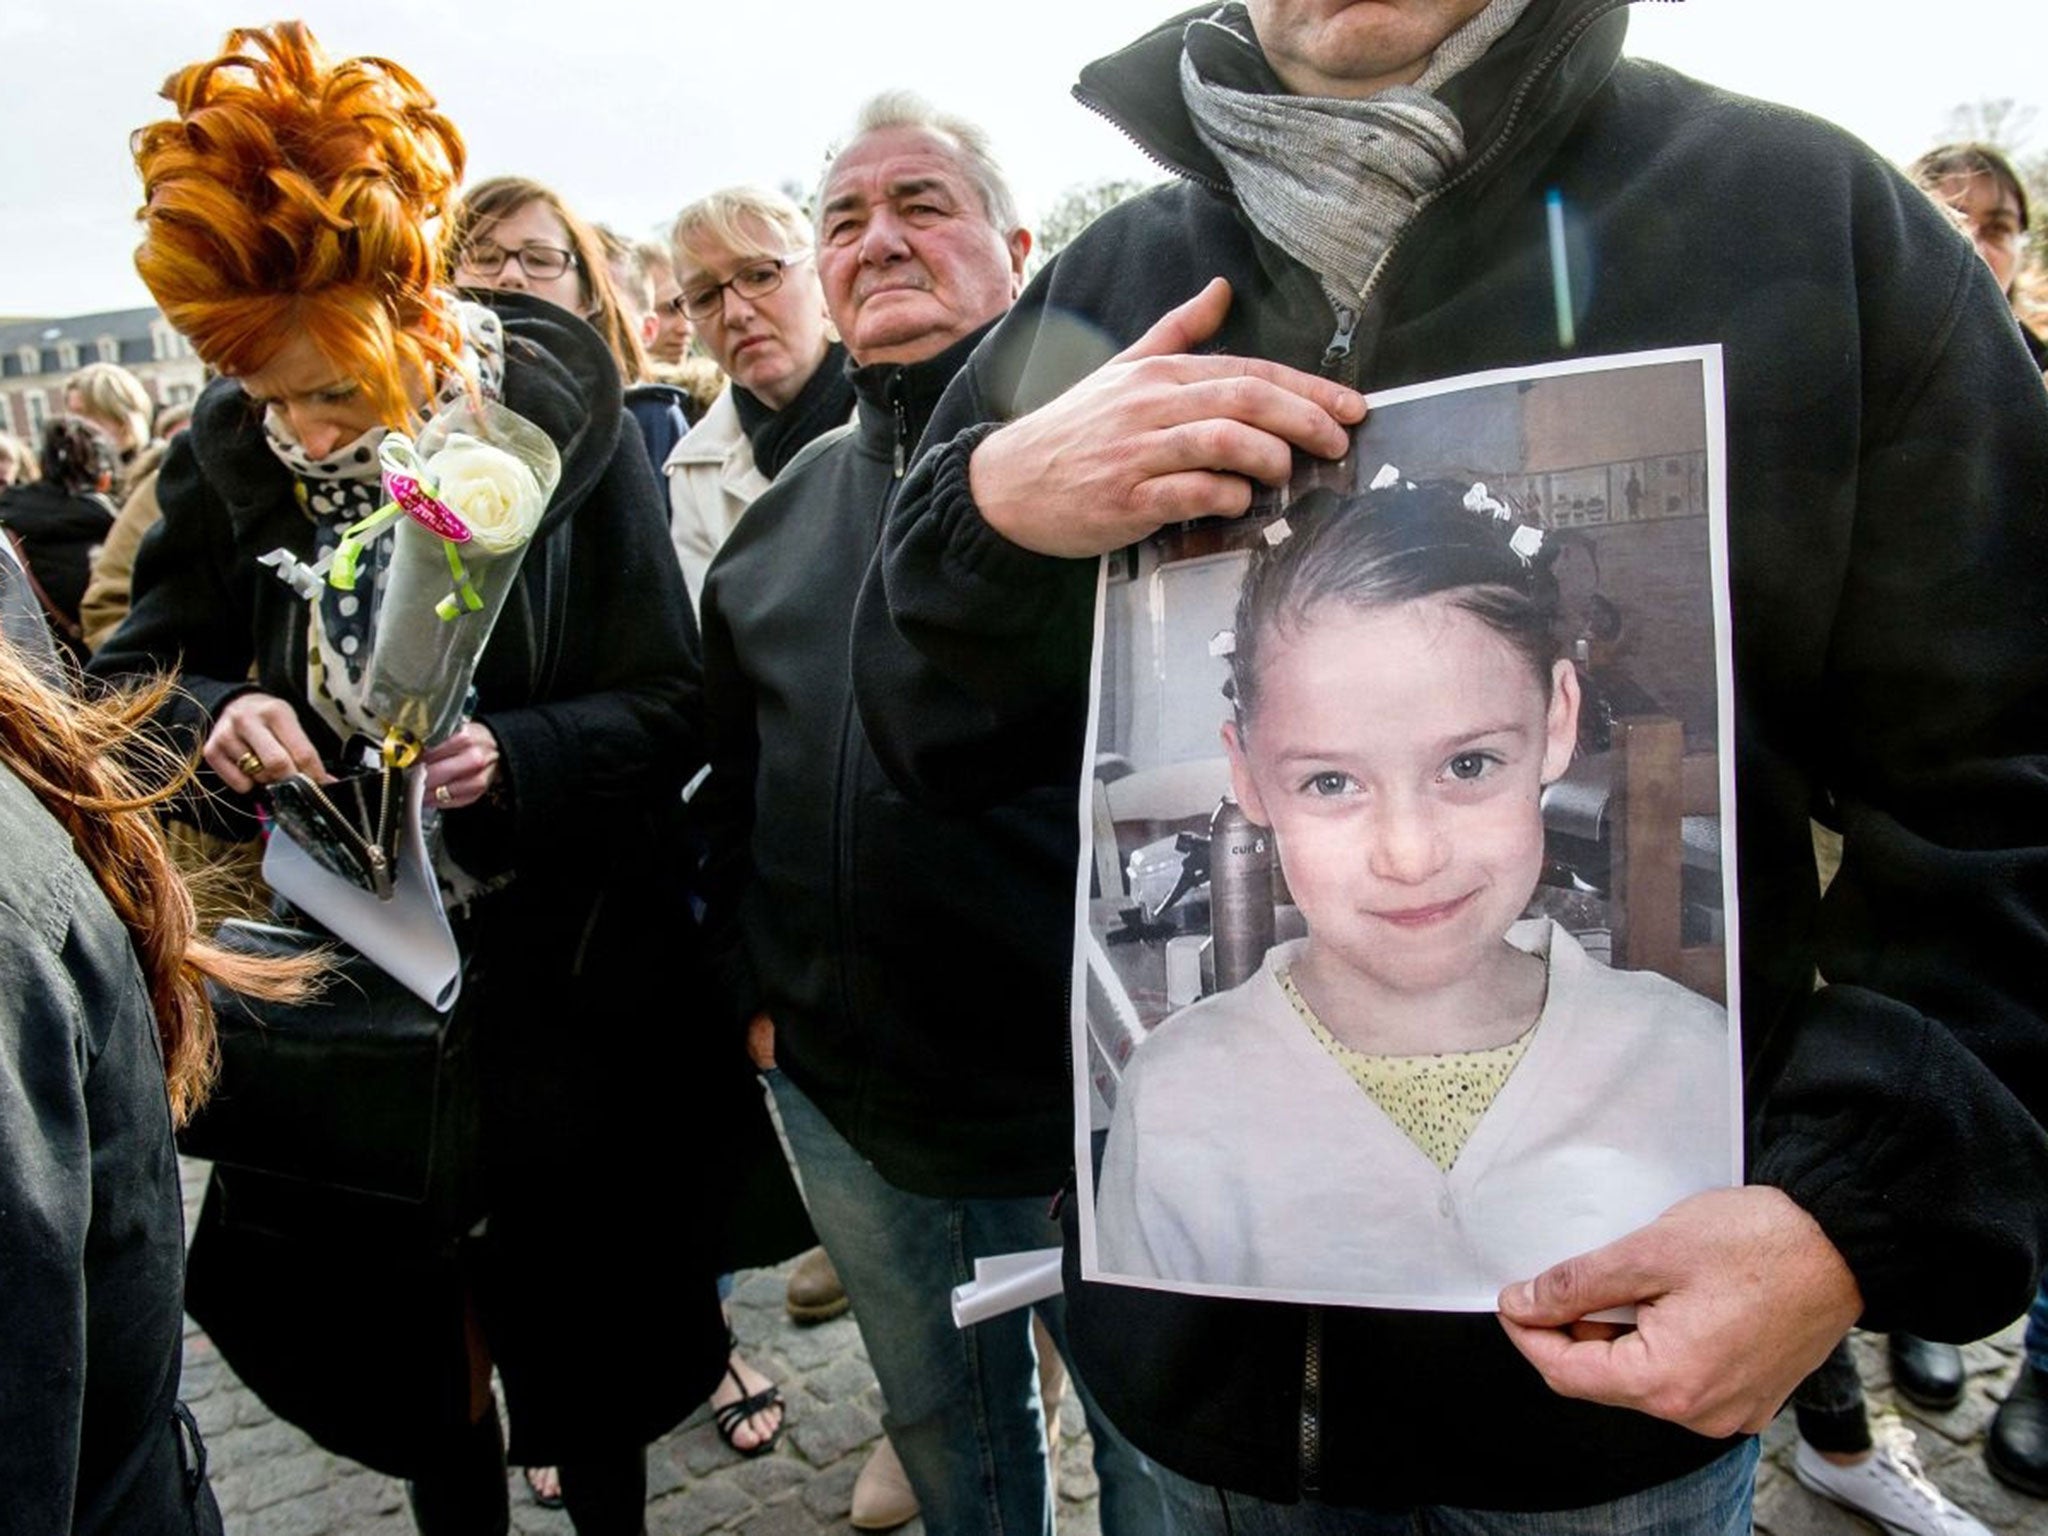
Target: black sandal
x,y
732,1415
544,1500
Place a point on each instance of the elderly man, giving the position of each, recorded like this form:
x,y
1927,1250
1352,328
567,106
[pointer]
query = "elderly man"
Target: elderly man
x,y
1375,183
927,1110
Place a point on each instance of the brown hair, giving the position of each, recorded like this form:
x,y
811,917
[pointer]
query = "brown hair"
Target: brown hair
x,y
484,204
91,764
294,195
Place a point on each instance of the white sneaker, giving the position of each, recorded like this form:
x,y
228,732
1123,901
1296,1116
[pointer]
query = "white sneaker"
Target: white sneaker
x,y
1888,1486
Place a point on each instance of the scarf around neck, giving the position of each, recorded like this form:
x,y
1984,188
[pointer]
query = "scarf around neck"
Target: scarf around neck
x,y
347,486
1331,181
826,401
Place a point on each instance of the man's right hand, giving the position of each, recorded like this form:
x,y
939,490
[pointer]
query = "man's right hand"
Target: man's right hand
x,y
1156,435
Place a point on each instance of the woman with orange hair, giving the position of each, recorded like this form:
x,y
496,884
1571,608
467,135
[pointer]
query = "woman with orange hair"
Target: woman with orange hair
x,y
292,232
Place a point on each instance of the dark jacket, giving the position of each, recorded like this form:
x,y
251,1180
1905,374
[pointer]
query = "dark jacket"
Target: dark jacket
x,y
1888,467
859,920
586,974
91,1221
58,532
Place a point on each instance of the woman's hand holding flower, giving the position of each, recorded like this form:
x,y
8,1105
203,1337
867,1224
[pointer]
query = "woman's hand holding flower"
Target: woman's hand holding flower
x,y
465,765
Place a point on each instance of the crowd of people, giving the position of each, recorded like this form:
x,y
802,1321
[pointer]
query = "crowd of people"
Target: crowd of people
x,y
767,775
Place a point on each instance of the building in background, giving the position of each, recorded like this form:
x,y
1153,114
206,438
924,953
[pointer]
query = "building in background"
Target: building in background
x,y
38,355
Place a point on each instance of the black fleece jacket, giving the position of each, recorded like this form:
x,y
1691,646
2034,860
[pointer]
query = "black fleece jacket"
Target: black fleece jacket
x,y
865,923
1888,503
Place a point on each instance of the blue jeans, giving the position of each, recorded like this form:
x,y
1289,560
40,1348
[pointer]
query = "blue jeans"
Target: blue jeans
x,y
962,1404
2037,1329
1714,1501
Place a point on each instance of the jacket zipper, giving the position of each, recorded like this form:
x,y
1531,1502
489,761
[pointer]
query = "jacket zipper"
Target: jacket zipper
x,y
1493,151
901,418
1339,362
1311,1447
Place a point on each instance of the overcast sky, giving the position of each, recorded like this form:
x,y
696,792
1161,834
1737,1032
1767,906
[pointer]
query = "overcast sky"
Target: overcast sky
x,y
631,108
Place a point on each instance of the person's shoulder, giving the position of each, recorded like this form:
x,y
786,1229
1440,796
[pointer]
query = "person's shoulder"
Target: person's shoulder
x,y
1747,135
40,879
812,492
1645,999
1211,1033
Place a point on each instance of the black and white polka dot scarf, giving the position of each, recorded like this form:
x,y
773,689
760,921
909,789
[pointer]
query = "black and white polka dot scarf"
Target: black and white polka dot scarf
x,y
345,487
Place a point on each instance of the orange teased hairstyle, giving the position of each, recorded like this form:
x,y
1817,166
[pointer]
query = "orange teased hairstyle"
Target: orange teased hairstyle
x,y
292,194
88,763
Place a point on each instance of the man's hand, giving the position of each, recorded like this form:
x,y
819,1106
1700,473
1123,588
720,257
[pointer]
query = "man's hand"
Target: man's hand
x,y
1739,1294
1155,436
463,766
257,739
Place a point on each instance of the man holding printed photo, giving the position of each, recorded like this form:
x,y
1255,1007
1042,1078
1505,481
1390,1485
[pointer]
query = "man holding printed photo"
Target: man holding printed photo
x,y
1400,190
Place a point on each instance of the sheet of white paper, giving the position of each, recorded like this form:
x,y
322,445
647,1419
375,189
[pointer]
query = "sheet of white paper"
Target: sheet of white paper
x,y
1004,1283
408,936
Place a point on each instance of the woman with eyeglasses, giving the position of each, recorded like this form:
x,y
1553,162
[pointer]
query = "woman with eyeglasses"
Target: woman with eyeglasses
x,y
293,229
747,277
516,236
512,235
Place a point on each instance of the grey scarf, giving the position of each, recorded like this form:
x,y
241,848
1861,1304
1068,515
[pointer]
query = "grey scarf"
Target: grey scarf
x,y
1330,181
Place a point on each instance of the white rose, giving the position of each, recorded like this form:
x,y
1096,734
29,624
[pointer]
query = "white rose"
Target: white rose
x,y
493,493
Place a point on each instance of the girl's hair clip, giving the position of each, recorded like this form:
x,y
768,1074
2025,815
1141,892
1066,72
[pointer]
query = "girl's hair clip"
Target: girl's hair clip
x,y
1387,476
1223,643
1526,542
1277,532
1479,499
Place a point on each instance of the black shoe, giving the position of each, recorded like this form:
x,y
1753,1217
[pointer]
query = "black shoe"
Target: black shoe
x,y
2017,1448
1927,1373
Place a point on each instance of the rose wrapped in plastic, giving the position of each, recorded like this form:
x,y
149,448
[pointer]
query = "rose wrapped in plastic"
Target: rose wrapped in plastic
x,y
473,489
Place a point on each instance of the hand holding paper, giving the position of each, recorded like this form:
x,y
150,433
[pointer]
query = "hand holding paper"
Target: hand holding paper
x,y
1739,1294
1156,435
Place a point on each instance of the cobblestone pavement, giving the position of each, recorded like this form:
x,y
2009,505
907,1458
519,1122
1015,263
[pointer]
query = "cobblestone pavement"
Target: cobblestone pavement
x,y
272,1481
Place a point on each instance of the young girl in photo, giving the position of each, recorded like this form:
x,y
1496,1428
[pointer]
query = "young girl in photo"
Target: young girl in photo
x,y
1426,1098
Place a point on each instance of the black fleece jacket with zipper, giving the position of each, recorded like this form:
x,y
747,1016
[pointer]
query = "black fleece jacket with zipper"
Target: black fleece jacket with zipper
x,y
1888,508
869,926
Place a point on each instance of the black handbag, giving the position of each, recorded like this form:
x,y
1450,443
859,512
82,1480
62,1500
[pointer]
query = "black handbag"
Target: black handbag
x,y
349,825
363,1087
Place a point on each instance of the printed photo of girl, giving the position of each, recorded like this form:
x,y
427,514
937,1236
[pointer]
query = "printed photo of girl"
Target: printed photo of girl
x,y
1427,1094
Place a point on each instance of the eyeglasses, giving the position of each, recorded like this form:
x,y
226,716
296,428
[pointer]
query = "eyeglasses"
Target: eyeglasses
x,y
756,280
539,262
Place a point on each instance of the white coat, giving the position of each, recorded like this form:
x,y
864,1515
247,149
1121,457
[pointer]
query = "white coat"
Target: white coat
x,y
712,479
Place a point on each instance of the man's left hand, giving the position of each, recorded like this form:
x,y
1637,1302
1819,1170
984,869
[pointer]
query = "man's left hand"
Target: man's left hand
x,y
465,765
1738,1295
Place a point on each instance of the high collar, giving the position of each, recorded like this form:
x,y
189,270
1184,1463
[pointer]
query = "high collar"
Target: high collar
x,y
1138,87
559,375
897,399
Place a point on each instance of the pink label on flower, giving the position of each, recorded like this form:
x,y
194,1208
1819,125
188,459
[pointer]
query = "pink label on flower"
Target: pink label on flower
x,y
429,512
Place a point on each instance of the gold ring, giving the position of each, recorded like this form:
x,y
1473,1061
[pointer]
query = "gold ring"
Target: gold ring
x,y
441,796
250,764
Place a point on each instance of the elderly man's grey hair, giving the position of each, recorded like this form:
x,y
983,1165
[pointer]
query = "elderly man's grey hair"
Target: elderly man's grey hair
x,y
907,109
